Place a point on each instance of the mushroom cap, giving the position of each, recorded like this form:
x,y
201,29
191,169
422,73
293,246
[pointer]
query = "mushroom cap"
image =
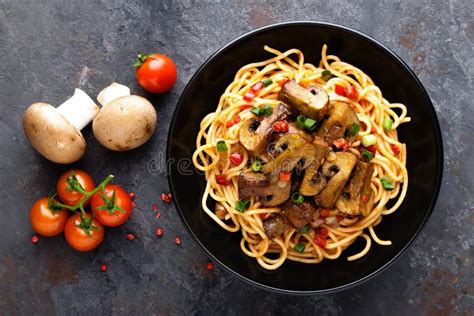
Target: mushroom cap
x,y
52,135
125,123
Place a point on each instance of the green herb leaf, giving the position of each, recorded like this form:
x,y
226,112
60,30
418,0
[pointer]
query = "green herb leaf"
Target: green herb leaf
x,y
299,247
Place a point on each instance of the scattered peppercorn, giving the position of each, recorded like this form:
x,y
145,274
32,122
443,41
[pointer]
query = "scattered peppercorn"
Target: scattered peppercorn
x,y
130,236
210,265
103,267
34,239
132,195
154,207
177,240
166,197
159,232
158,215
134,204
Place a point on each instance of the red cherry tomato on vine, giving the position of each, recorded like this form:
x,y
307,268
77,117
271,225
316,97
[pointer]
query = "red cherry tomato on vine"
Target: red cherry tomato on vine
x,y
156,73
112,209
45,221
66,193
85,234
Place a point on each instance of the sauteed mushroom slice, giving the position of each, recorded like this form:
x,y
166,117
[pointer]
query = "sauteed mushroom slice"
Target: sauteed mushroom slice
x,y
314,105
275,225
313,182
254,132
352,199
338,172
299,215
257,184
339,123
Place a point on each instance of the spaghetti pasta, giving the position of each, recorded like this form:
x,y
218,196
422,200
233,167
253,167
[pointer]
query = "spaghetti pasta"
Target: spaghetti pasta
x,y
371,109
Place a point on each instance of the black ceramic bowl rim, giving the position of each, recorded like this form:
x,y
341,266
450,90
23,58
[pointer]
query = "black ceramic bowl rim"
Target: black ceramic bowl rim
x,y
439,171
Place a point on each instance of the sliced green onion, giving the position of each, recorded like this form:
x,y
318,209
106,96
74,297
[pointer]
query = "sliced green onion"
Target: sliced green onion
x,y
221,146
297,198
242,205
355,128
299,247
369,140
300,121
387,183
256,166
266,110
310,124
367,154
267,82
304,230
326,75
387,124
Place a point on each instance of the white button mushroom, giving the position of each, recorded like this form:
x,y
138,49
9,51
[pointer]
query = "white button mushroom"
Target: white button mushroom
x,y
125,121
56,132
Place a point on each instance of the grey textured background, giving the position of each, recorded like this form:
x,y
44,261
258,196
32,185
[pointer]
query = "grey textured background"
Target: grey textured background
x,y
49,48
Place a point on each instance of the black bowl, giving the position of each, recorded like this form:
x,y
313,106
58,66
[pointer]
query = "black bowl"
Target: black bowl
x,y
398,84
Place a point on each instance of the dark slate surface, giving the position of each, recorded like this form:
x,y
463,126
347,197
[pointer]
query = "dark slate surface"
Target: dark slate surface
x,y
49,48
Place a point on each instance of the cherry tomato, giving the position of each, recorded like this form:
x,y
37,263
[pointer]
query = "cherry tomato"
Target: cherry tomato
x,y
72,197
114,209
76,232
156,73
45,221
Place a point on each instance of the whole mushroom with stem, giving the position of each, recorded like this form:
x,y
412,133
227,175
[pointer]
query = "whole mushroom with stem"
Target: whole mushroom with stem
x,y
56,132
125,121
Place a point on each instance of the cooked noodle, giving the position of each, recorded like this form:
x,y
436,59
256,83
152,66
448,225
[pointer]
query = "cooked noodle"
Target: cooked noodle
x,y
371,108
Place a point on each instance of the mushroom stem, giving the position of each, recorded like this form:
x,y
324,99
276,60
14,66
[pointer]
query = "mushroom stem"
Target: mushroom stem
x,y
112,92
79,110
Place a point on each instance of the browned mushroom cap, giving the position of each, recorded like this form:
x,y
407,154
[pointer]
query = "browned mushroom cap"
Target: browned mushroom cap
x,y
52,135
125,123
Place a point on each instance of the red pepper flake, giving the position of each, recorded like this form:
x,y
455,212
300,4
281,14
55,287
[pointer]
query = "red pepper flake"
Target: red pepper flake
x,y
352,93
159,232
131,195
249,96
236,158
340,90
167,198
320,241
364,198
130,236
284,176
283,82
154,207
34,239
372,149
257,86
244,107
158,215
324,232
235,119
395,149
103,267
222,180
324,213
177,240
210,265
134,204
341,144
280,126
339,218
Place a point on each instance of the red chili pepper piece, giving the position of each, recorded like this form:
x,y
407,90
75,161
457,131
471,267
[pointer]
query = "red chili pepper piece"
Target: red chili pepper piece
x,y
103,267
324,232
339,218
352,93
222,180
159,232
210,265
131,195
324,213
364,198
280,126
249,96
177,240
130,236
257,86
372,149
283,82
373,131
340,90
236,159
167,198
235,119
341,144
34,239
320,241
284,176
395,149
244,107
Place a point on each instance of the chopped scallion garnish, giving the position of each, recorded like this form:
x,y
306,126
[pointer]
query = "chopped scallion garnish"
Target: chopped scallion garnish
x,y
326,75
367,154
304,229
242,205
267,82
369,140
310,124
299,247
355,128
256,165
387,183
300,121
221,146
266,110
297,198
387,124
